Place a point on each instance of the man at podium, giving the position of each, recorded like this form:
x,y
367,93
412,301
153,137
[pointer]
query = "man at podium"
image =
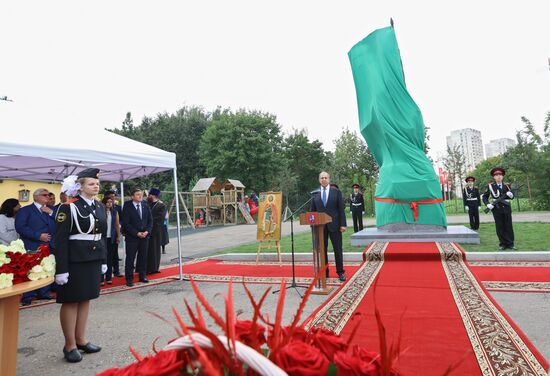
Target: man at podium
x,y
329,200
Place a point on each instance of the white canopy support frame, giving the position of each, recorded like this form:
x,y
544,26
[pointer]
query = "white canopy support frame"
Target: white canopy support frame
x,y
119,158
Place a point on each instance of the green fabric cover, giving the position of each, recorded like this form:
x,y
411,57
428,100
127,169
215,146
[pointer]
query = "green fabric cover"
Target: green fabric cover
x,y
392,125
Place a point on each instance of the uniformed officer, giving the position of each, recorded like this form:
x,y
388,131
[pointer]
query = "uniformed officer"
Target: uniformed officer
x,y
501,194
357,207
80,255
472,202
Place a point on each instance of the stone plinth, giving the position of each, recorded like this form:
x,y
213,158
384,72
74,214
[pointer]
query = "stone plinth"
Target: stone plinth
x,y
415,234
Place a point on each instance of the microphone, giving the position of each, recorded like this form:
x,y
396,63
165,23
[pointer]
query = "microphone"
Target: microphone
x,y
318,190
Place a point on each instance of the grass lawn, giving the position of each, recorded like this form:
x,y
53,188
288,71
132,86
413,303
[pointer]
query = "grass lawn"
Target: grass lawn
x,y
530,236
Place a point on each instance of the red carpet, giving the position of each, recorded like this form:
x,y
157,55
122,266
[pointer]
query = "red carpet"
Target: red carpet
x,y
211,270
444,314
514,276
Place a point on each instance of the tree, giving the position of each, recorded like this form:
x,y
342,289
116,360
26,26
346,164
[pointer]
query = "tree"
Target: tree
x,y
303,161
455,165
352,160
178,133
245,145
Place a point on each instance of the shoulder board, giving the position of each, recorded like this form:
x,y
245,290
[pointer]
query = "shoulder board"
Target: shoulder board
x,y
70,201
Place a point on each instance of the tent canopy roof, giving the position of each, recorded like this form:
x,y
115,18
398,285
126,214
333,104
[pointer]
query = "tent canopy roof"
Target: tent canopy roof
x,y
27,155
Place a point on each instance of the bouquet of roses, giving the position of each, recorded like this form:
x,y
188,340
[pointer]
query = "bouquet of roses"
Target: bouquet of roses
x,y
17,265
259,346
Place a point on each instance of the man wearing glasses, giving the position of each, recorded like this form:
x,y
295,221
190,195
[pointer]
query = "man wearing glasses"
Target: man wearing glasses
x,y
35,224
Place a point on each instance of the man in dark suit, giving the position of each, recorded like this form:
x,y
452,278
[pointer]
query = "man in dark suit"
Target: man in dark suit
x,y
329,200
502,211
35,224
137,224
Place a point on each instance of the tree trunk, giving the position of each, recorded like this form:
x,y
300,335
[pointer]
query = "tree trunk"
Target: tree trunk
x,y
529,191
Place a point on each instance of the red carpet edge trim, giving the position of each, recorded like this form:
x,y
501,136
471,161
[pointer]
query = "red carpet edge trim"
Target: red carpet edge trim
x,y
337,310
495,341
506,286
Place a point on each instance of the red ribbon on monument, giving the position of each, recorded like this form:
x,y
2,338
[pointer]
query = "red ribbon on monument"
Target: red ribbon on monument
x,y
413,205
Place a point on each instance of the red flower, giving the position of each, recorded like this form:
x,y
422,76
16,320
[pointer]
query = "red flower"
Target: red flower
x,y
328,342
245,334
299,358
349,365
164,363
367,356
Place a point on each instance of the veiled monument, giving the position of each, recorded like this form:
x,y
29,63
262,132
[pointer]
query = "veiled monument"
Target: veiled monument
x,y
408,201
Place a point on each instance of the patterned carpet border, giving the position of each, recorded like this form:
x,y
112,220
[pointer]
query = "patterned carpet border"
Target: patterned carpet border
x,y
284,263
337,311
496,286
304,281
538,264
497,346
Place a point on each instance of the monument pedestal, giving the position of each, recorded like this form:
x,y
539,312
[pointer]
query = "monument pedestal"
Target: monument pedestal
x,y
415,234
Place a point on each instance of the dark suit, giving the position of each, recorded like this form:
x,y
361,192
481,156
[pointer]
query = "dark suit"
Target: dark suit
x,y
336,209
131,225
30,223
502,213
472,200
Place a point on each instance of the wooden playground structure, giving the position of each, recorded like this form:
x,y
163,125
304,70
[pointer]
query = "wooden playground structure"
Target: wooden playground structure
x,y
218,202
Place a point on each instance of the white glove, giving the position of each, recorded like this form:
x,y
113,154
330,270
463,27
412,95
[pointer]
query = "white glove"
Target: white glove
x,y
479,208
490,206
509,194
466,208
62,278
103,268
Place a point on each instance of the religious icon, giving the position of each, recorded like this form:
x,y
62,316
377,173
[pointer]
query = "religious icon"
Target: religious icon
x,y
269,216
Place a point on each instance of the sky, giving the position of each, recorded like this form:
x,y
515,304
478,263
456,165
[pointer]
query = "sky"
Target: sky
x,y
83,65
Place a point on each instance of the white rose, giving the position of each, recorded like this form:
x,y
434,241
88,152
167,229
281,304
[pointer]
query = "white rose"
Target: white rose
x,y
6,280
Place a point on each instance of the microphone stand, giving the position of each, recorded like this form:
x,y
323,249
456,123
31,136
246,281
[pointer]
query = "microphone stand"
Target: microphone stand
x,y
293,283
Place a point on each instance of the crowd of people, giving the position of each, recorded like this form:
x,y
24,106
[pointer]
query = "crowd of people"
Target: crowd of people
x,y
84,235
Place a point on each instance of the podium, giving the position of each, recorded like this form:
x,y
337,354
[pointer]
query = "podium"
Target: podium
x,y
317,222
9,322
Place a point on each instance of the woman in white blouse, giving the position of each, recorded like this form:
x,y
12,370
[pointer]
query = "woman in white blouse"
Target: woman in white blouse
x,y
8,210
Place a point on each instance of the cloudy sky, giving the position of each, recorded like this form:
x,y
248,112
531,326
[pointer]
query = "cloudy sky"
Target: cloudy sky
x,y
478,64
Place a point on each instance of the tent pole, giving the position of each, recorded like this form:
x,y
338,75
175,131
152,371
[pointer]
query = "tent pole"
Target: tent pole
x,y
122,238
176,193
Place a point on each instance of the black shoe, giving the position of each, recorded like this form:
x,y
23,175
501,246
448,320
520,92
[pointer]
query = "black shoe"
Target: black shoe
x,y
119,275
144,280
342,277
73,356
47,297
129,283
26,302
89,348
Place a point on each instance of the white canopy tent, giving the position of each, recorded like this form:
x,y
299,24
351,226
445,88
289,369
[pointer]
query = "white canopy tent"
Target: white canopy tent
x,y
28,155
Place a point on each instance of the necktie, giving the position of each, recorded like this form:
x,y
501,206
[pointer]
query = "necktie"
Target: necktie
x,y
324,197
138,207
93,206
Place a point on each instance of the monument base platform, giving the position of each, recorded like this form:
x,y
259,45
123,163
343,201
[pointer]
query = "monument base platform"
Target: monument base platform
x,y
457,234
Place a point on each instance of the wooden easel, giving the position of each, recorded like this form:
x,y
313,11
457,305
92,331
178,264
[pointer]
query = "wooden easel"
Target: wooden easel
x,y
268,246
